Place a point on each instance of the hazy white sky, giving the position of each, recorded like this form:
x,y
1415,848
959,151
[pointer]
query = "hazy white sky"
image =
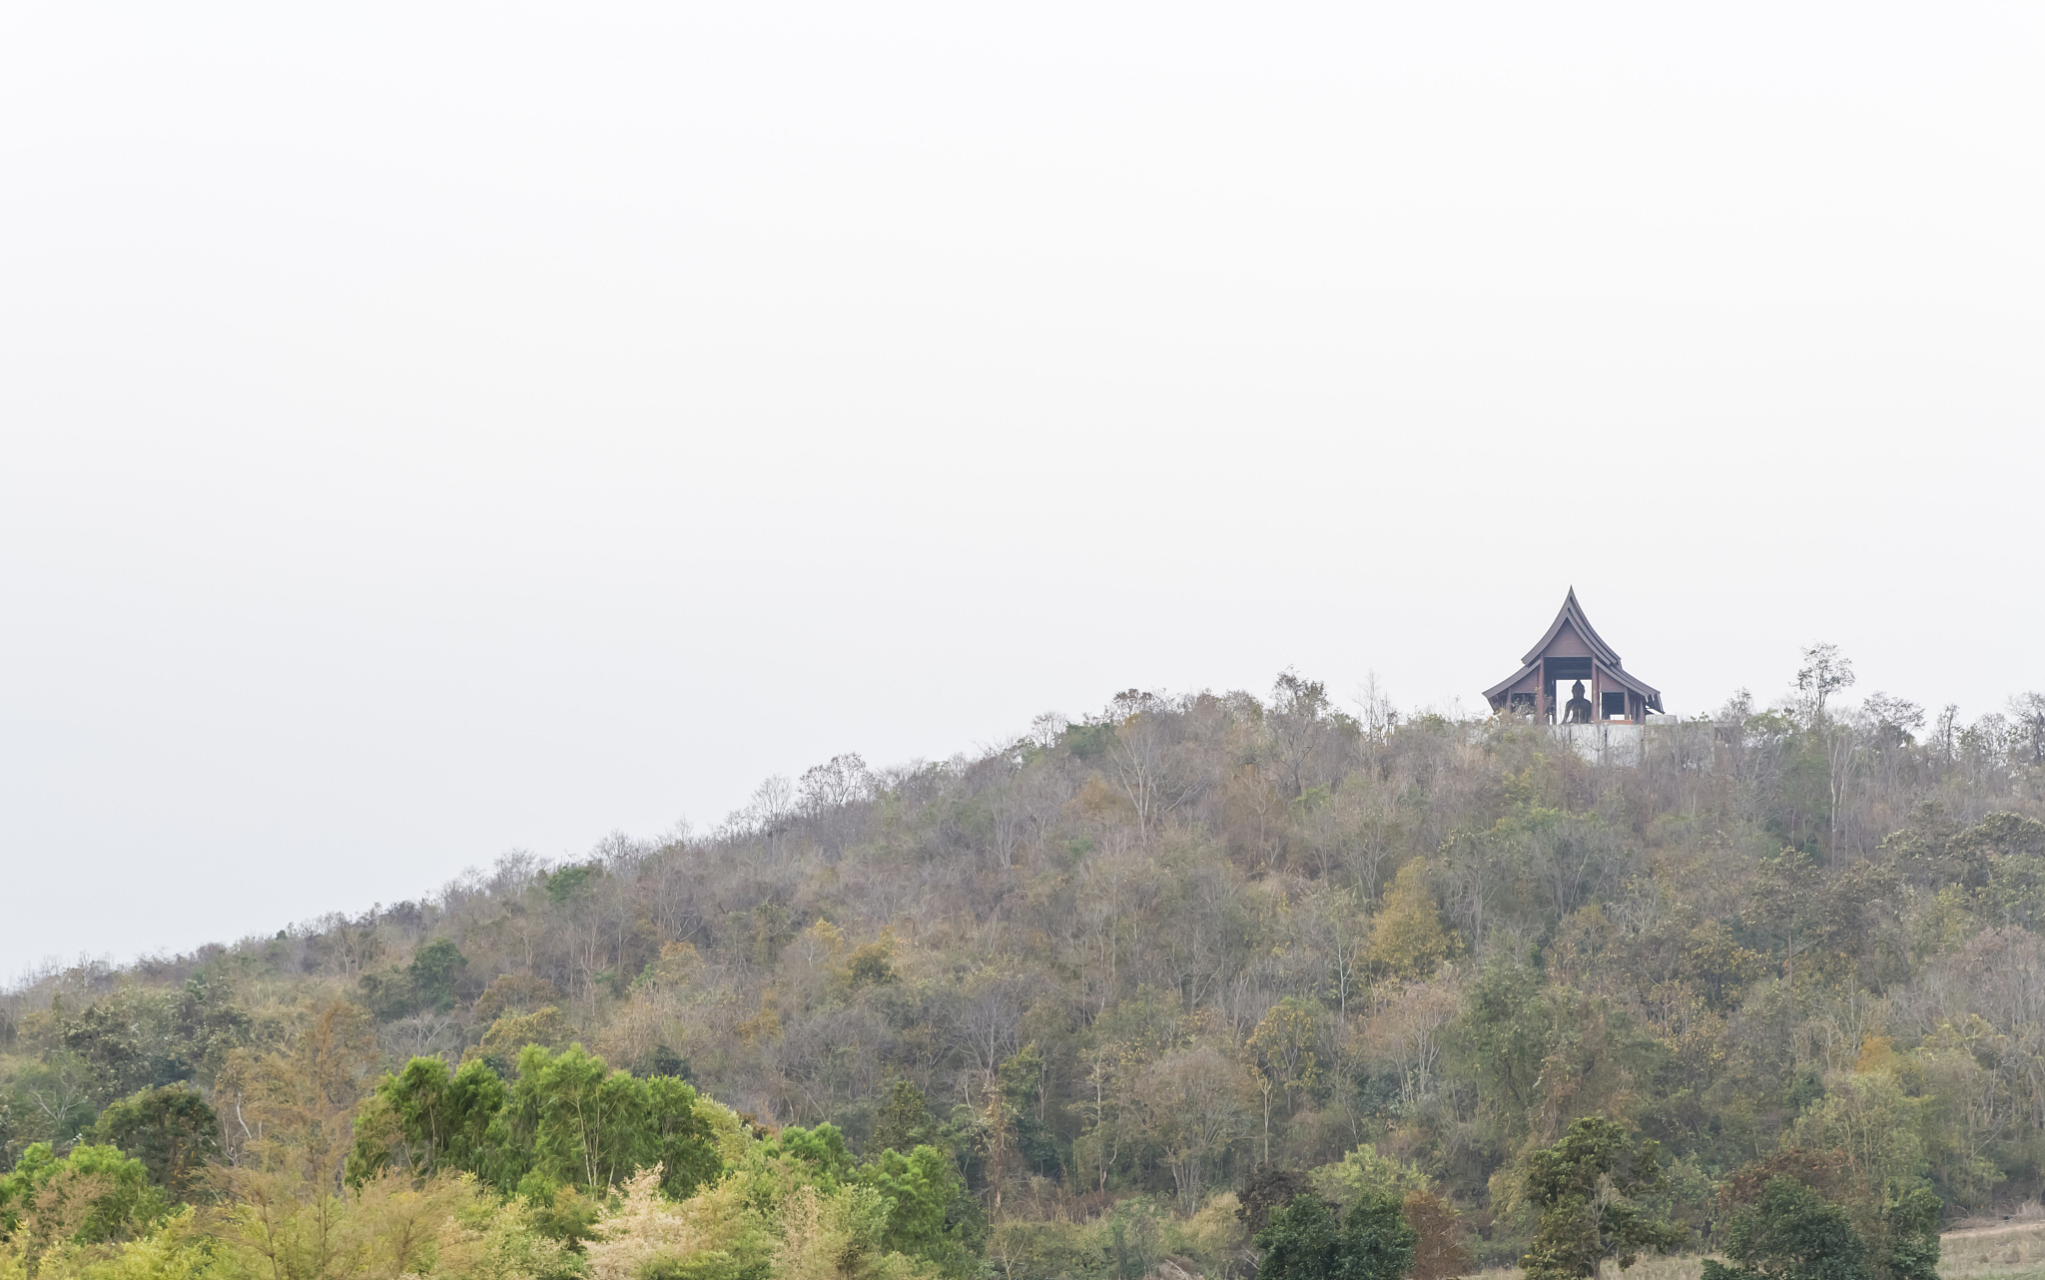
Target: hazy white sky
x,y
433,429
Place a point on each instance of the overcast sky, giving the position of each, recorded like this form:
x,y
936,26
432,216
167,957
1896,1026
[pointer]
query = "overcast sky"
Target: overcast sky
x,y
428,430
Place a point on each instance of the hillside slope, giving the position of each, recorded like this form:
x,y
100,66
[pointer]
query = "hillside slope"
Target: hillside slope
x,y
1134,959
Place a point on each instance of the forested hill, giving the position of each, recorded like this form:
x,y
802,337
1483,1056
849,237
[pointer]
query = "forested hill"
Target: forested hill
x,y
1115,969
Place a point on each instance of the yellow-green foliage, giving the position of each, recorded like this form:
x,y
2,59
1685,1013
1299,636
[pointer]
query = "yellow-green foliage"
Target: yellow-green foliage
x,y
1367,1169
1408,940
387,1227
714,1233
174,1250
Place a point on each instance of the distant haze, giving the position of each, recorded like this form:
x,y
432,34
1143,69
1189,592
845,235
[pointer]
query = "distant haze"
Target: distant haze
x,y
432,430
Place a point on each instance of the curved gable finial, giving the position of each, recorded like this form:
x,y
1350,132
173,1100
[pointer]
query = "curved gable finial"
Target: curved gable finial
x,y
1572,614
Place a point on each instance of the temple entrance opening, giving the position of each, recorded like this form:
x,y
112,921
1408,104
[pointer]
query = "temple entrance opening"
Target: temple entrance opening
x,y
1568,687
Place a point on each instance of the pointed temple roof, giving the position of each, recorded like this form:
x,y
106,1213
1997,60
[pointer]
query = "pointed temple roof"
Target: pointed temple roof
x,y
1571,640
1571,615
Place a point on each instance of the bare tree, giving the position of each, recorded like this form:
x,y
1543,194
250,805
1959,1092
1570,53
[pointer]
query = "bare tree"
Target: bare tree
x,y
1047,729
1824,673
1339,934
2027,716
1298,722
1845,749
987,1021
1404,1033
1379,715
1194,1105
1146,766
773,804
1945,733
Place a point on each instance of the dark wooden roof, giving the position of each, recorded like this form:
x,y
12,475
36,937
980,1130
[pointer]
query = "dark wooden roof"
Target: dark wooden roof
x,y
1571,615
1497,691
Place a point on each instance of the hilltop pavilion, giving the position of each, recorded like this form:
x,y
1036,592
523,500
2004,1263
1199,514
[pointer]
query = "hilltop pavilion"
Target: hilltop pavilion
x,y
1572,652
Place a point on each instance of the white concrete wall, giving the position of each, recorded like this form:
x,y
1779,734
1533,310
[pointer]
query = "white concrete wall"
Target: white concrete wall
x,y
1603,742
1625,743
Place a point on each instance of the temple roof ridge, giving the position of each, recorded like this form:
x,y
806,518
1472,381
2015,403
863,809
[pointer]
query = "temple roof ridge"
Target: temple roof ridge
x,y
1572,613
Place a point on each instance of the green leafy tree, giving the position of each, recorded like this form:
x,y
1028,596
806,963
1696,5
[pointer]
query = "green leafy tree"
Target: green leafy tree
x,y
93,1195
588,1126
1793,1233
1909,1247
905,1121
1502,1040
428,982
1896,1231
1306,1240
931,1215
1299,1240
434,972
426,1118
565,885
567,1120
1593,1190
135,1038
1366,1169
170,1129
1377,1240
1023,1083
1872,1120
53,1100
798,1157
